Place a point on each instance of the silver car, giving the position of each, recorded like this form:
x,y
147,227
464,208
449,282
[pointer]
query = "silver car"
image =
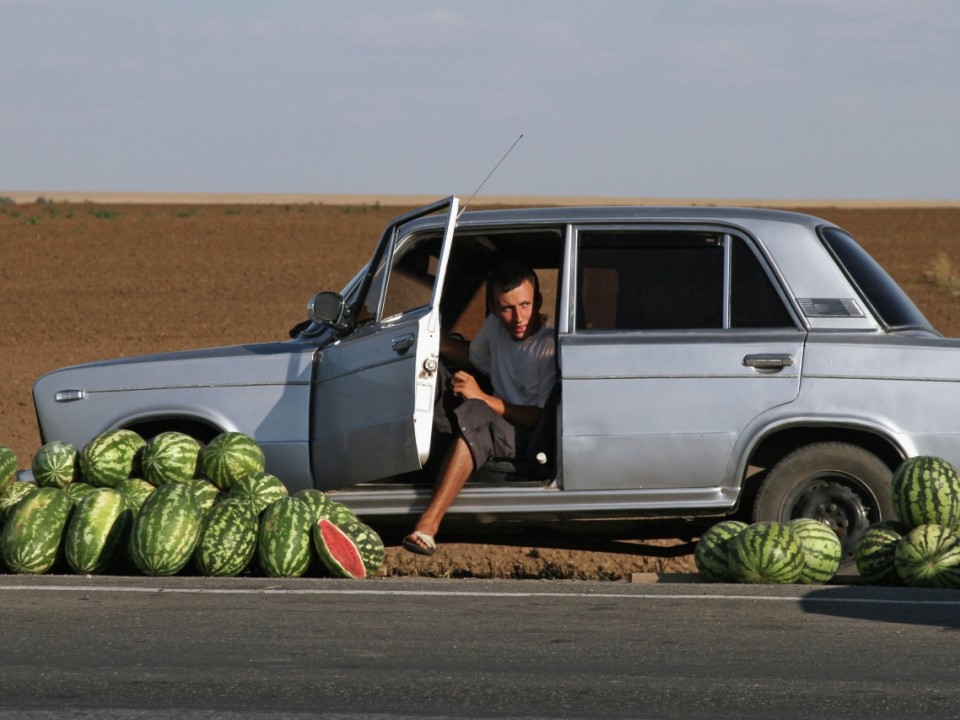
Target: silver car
x,y
710,362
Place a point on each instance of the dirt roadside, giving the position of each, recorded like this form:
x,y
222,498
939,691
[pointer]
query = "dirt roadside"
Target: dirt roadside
x,y
86,281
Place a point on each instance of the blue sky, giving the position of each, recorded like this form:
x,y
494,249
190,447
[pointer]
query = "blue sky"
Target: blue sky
x,y
778,99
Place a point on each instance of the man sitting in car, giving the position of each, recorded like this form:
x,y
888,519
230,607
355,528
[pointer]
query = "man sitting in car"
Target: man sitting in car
x,y
515,348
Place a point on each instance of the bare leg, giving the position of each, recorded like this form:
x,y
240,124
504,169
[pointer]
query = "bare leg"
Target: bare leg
x,y
453,475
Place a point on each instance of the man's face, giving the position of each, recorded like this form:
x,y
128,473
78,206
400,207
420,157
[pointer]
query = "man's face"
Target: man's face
x,y
517,311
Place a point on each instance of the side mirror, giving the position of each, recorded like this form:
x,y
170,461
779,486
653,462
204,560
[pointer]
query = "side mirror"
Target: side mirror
x,y
328,308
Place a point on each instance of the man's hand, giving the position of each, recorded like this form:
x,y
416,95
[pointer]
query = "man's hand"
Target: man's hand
x,y
522,416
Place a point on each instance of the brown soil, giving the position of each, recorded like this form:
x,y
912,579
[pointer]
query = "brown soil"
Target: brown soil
x,y
88,281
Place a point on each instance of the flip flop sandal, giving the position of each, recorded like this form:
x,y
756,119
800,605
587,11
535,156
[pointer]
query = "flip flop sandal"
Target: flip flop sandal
x,y
426,546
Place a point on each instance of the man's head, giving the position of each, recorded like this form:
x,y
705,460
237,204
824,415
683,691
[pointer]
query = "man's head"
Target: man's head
x,y
513,293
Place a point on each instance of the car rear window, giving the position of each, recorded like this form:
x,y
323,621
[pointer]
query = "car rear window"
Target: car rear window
x,y
891,305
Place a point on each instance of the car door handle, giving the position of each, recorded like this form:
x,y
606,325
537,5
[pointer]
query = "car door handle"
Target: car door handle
x,y
768,361
403,343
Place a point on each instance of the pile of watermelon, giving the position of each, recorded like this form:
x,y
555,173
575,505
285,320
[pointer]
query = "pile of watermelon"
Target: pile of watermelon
x,y
122,504
921,548
800,551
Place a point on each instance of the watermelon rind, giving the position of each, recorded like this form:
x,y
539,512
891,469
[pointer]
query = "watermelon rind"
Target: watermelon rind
x,y
315,499
170,457
284,540
56,464
228,539
926,491
230,456
337,513
206,492
12,496
766,553
97,532
32,537
712,550
874,553
110,457
135,491
822,551
929,556
76,490
166,530
337,551
8,466
368,544
260,489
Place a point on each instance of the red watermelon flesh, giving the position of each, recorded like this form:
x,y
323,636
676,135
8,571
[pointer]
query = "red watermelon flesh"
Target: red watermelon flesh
x,y
338,552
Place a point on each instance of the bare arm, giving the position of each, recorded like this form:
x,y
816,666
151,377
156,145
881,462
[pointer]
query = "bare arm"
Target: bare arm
x,y
456,351
524,417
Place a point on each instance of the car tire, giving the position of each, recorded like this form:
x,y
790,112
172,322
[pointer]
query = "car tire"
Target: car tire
x,y
841,485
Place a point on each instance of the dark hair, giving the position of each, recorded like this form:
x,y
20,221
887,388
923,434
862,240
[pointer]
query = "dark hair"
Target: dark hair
x,y
510,275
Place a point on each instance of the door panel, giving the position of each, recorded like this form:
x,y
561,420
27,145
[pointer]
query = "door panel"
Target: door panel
x,y
373,390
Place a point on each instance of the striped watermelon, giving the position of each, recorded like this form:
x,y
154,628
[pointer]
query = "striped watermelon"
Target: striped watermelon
x,y
338,552
135,491
166,530
283,544
33,536
170,457
338,513
259,489
874,554
12,496
822,550
228,539
926,491
111,457
367,542
767,552
712,548
98,531
230,456
315,499
929,556
8,466
206,492
56,464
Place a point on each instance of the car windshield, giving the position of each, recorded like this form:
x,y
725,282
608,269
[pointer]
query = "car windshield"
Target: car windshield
x,y
891,305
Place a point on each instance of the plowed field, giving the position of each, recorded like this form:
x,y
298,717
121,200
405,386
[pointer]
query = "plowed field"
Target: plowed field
x,y
86,281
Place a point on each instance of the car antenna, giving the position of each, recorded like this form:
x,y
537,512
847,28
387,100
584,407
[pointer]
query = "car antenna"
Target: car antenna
x,y
484,182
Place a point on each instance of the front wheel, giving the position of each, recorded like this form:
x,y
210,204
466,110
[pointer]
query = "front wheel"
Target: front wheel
x,y
840,485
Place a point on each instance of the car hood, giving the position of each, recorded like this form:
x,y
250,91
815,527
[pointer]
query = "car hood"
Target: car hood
x,y
257,364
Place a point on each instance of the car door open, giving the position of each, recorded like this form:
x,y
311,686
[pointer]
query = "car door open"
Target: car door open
x,y
374,389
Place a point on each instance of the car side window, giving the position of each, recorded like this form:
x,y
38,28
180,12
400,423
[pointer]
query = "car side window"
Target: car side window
x,y
672,280
409,283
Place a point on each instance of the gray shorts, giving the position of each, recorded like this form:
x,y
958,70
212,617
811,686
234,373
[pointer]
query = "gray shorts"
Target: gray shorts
x,y
488,435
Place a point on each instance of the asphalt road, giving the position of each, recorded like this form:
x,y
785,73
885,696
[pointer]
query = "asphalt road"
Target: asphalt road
x,y
198,648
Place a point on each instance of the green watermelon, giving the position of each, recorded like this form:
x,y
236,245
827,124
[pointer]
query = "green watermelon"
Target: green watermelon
x,y
77,489
338,552
259,489
710,555
12,497
367,542
98,531
56,464
170,457
8,466
337,513
111,457
166,530
767,552
283,545
926,491
822,550
206,492
315,499
135,491
230,456
33,536
929,556
228,539
874,554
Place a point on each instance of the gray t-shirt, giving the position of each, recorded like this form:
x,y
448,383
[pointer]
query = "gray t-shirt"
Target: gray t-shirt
x,y
522,372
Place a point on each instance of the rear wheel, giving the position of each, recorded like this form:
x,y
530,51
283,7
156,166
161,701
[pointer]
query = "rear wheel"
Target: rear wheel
x,y
840,485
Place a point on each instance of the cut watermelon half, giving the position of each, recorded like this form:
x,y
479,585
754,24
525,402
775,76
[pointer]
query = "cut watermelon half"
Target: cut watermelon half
x,y
337,551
